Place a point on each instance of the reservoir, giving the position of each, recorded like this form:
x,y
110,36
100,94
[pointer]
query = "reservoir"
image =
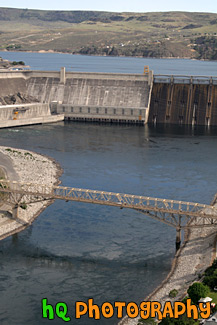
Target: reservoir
x,y
84,63
76,251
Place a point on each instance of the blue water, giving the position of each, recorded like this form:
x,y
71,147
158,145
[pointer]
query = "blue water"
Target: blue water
x,y
54,61
75,251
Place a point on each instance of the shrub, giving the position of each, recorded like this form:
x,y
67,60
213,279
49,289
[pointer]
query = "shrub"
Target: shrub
x,y
210,277
23,206
173,293
149,321
196,291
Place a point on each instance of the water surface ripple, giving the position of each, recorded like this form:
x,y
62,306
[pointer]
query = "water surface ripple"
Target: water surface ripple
x,y
75,251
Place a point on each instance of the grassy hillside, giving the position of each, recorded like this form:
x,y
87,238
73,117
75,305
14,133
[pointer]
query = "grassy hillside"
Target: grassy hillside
x,y
165,34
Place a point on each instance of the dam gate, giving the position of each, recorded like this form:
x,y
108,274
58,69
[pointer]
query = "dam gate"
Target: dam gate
x,y
183,100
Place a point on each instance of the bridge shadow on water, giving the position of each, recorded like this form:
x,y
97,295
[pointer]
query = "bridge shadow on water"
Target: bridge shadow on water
x,y
74,251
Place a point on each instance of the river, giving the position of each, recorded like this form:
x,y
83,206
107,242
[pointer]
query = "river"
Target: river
x,y
84,63
76,251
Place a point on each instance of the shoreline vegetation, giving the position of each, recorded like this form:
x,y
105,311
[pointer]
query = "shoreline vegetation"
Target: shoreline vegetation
x,y
195,255
148,35
30,167
12,65
116,56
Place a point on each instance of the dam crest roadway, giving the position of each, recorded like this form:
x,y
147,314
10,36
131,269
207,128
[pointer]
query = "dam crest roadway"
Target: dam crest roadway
x,y
178,214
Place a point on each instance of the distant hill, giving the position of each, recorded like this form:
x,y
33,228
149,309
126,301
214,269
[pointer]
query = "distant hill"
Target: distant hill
x,y
157,34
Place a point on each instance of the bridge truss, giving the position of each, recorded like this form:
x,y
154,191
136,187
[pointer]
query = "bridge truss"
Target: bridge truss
x,y
177,214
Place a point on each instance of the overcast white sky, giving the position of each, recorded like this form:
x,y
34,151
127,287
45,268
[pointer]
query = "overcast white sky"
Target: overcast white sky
x,y
115,5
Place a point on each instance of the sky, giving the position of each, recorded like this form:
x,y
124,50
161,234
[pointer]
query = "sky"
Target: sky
x,y
116,5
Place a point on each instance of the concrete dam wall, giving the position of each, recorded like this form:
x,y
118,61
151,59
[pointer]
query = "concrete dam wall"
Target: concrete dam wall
x,y
10,86
107,97
189,101
24,111
94,96
123,98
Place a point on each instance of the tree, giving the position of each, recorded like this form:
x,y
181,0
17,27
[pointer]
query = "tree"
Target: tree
x,y
149,321
196,291
210,278
210,270
182,320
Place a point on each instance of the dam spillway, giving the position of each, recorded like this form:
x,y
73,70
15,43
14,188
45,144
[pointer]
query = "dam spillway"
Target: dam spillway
x,y
122,98
107,97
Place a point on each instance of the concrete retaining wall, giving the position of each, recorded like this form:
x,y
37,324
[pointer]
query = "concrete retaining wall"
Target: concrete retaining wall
x,y
27,114
32,121
23,111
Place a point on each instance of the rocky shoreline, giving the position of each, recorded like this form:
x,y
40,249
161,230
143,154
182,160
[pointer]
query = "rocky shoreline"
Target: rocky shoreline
x,y
196,254
30,167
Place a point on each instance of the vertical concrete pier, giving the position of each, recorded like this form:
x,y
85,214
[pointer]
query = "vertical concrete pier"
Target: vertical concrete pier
x,y
15,213
63,75
178,238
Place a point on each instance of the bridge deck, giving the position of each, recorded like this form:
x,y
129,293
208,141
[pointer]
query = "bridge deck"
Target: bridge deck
x,y
178,214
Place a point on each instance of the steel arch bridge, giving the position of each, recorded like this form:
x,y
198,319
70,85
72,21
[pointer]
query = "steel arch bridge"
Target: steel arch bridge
x,y
178,214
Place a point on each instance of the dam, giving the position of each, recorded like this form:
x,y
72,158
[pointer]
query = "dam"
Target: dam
x,y
184,100
17,108
111,97
94,96
106,97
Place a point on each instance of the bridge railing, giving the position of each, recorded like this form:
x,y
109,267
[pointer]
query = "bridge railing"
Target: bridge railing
x,y
128,200
106,198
